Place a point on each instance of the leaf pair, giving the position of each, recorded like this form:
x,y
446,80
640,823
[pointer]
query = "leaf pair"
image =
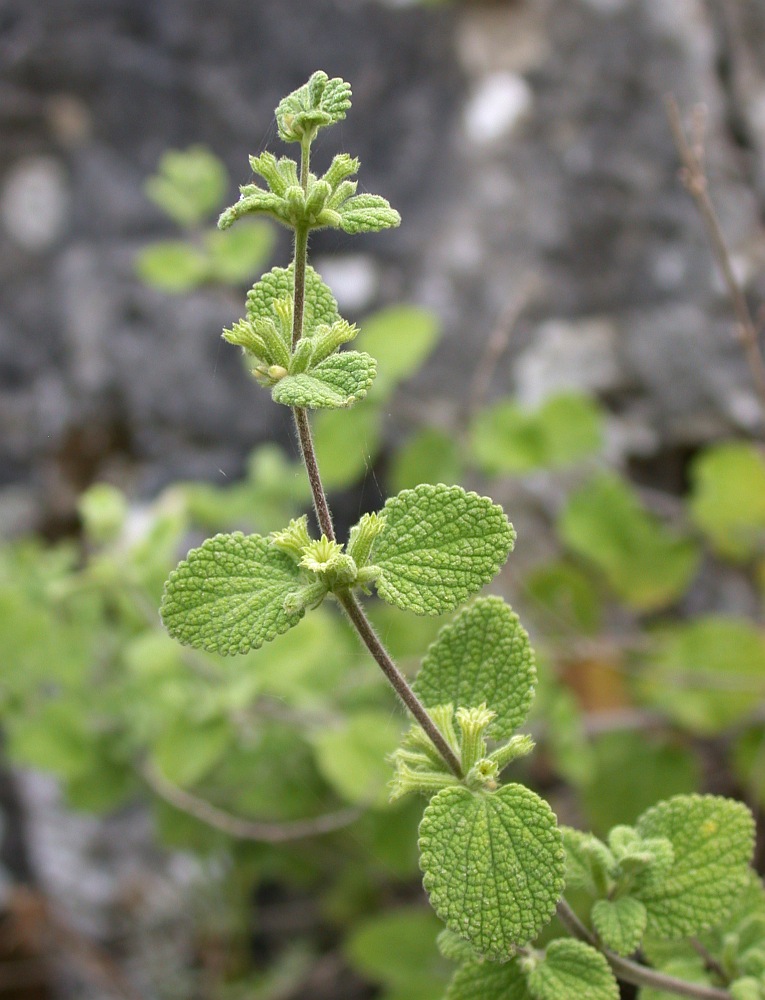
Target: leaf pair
x,y
313,374
437,546
328,201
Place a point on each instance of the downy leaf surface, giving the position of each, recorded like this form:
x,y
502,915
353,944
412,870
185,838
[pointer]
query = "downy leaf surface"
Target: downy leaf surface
x,y
493,865
620,923
482,656
228,595
488,981
440,544
713,842
573,969
279,283
338,381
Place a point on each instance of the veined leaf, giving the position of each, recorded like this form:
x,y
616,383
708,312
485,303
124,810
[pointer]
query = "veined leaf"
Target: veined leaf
x,y
279,283
488,981
318,103
228,595
367,213
440,544
483,655
620,923
573,969
493,865
713,841
339,381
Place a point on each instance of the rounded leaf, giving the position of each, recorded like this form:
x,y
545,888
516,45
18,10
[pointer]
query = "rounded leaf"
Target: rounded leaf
x,y
713,842
493,865
228,595
440,544
482,656
573,969
620,923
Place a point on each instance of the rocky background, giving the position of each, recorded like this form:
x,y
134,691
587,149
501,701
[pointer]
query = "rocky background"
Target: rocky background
x,y
526,145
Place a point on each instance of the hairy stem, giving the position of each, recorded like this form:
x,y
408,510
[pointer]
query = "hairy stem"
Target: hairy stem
x,y
633,972
347,600
370,639
320,505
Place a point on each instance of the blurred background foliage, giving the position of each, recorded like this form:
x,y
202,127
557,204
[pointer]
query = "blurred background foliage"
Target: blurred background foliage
x,y
265,776
639,698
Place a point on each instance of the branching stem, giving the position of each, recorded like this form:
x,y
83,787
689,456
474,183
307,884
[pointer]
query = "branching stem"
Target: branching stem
x,y
633,972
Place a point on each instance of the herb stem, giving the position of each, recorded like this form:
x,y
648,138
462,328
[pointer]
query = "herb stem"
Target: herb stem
x,y
369,637
633,972
320,505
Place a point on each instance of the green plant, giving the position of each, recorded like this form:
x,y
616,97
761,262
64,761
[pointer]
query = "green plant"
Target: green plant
x,y
494,860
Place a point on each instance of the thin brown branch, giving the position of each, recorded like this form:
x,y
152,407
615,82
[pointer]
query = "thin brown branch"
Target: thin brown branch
x,y
499,341
694,178
369,637
260,831
323,513
633,972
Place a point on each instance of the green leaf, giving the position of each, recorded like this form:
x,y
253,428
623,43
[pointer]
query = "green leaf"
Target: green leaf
x,y
236,254
186,751
228,595
318,103
727,498
339,381
647,565
367,213
713,842
589,862
509,439
652,767
564,598
189,185
708,674
482,656
398,950
400,338
279,283
428,456
573,969
440,544
103,509
346,443
172,266
352,757
488,981
620,923
493,865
